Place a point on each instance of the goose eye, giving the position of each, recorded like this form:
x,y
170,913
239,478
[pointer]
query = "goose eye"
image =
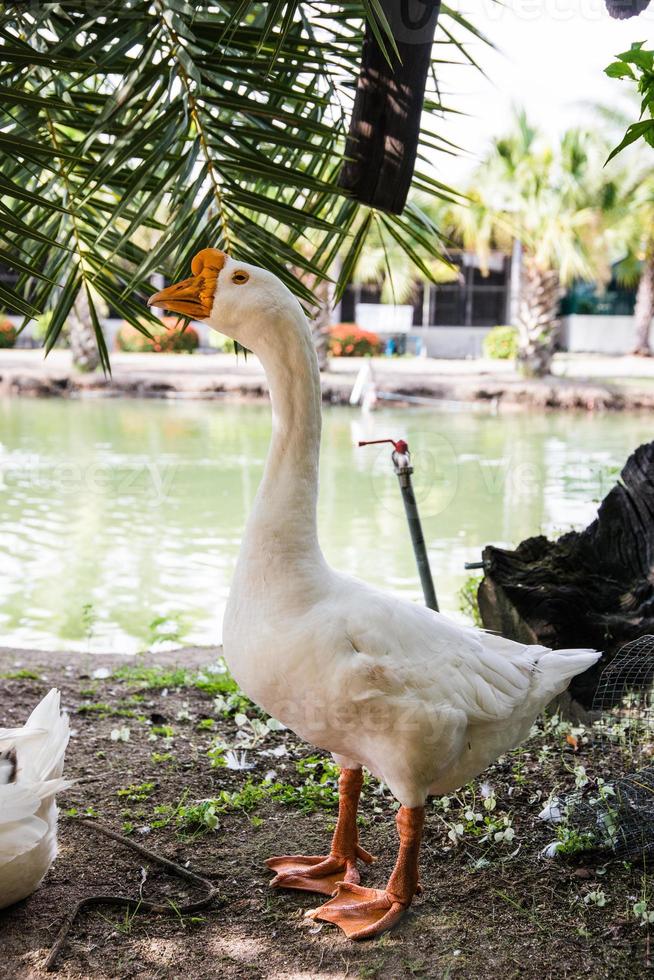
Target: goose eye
x,y
240,277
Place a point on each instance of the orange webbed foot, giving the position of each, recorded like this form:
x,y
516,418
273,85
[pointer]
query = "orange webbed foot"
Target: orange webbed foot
x,y
315,873
362,913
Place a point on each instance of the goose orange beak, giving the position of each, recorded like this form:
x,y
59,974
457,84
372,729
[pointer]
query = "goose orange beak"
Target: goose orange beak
x,y
193,297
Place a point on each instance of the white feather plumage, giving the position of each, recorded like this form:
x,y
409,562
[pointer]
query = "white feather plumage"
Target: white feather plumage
x,y
28,811
424,703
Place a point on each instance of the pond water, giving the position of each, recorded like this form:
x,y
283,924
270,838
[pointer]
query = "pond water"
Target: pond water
x,y
120,520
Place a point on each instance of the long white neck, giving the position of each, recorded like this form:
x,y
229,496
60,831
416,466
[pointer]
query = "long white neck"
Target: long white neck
x,y
282,528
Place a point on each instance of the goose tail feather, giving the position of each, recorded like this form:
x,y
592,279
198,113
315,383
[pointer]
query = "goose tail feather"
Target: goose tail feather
x,y
556,668
42,742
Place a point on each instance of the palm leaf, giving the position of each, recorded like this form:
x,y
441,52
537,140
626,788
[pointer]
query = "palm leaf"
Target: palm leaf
x,y
215,123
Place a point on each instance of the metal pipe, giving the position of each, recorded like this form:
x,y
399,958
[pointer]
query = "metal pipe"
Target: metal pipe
x,y
401,458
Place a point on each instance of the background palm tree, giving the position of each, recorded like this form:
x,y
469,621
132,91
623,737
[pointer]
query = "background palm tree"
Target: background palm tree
x,y
644,309
553,200
632,224
231,116
633,233
398,269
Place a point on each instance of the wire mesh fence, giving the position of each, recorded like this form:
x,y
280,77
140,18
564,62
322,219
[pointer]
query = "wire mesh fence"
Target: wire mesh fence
x,y
614,810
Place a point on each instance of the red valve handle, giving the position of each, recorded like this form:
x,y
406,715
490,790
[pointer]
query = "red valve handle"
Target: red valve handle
x,y
400,446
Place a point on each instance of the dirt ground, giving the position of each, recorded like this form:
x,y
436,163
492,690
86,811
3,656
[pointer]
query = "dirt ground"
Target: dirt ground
x,y
144,740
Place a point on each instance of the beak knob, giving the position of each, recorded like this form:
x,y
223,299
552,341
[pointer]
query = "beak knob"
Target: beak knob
x,y
208,258
193,297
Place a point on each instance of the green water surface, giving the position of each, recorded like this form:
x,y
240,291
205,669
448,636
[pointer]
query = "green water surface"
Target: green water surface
x,y
120,520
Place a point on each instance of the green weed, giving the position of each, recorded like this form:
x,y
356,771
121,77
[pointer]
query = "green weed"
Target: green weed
x,y
137,793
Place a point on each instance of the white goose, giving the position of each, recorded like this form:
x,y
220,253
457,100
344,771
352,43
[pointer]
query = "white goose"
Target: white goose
x,y
31,764
423,703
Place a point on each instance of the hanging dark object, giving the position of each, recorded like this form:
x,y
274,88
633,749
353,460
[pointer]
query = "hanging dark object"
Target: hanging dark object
x,y
621,9
385,125
593,588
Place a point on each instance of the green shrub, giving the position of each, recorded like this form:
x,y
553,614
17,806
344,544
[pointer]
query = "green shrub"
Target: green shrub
x,y
218,341
468,602
501,343
172,338
7,333
40,326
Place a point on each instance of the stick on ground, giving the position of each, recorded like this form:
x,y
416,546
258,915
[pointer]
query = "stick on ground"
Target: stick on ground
x,y
137,905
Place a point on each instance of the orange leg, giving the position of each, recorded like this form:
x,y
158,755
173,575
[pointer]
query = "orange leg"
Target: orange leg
x,y
323,874
366,912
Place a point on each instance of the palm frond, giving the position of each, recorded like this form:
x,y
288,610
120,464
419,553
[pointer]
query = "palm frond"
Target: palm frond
x,y
131,138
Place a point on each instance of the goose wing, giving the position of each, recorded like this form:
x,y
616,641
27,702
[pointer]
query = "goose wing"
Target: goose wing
x,y
409,652
20,828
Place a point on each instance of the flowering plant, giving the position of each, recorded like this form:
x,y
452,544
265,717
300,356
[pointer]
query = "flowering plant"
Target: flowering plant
x,y
349,340
7,333
173,337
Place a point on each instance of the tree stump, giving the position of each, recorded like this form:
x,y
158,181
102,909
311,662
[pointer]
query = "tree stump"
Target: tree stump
x,y
591,588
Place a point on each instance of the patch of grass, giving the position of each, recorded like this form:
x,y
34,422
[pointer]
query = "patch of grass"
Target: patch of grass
x,y
235,703
74,811
319,791
416,967
193,819
220,685
216,756
137,793
215,684
572,841
159,758
154,678
165,731
103,710
186,921
308,797
21,675
371,971
229,700
100,709
125,924
317,767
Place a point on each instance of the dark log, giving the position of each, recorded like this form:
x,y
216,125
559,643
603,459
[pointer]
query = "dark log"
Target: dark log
x,y
593,588
385,126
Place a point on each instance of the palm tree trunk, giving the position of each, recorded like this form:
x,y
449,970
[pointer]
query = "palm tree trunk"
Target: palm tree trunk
x,y
81,335
321,322
323,290
320,331
644,310
538,323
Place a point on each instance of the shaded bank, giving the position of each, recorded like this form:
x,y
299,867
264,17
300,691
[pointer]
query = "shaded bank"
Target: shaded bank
x,y
403,381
